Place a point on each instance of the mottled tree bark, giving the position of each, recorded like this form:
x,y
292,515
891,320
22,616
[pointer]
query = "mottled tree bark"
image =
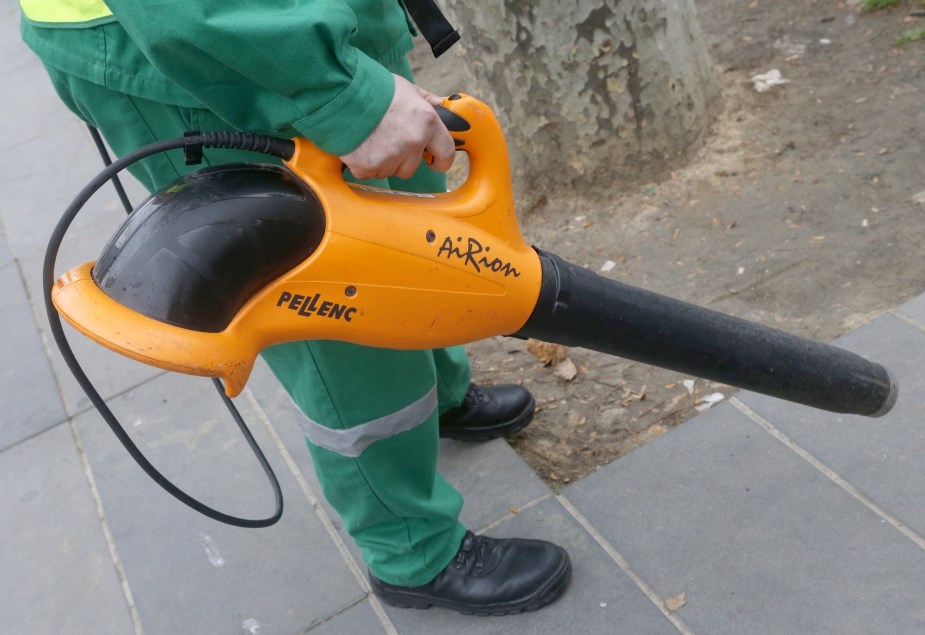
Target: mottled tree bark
x,y
590,93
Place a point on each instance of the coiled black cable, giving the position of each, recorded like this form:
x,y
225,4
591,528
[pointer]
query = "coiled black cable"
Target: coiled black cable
x,y
281,148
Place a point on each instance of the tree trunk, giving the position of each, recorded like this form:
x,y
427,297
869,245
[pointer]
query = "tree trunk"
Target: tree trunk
x,y
591,93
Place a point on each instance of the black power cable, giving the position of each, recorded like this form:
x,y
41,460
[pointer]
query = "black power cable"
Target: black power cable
x,y
281,148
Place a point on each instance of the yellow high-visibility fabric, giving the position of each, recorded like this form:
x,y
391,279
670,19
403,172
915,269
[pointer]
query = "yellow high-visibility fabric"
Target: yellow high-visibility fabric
x,y
64,11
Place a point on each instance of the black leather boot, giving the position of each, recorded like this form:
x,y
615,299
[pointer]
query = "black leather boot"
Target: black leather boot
x,y
488,412
489,577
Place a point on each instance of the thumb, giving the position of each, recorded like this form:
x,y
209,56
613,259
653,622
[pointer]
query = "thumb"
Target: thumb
x,y
434,100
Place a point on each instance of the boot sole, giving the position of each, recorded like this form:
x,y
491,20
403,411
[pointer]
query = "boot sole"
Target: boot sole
x,y
487,433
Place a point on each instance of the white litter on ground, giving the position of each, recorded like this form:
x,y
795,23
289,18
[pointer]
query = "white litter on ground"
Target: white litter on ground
x,y
709,401
767,81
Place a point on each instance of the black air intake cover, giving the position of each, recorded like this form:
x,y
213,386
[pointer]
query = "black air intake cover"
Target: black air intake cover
x,y
199,248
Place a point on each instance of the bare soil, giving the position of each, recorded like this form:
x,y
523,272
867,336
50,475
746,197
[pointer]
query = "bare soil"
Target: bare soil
x,y
805,211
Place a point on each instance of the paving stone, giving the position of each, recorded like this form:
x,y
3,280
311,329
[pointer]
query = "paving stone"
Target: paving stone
x,y
58,576
757,539
359,619
190,574
33,103
29,398
491,476
883,456
10,43
914,308
600,598
6,258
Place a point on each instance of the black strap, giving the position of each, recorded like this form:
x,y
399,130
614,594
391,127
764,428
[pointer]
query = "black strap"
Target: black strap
x,y
434,26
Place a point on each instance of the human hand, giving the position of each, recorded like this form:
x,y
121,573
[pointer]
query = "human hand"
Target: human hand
x,y
409,127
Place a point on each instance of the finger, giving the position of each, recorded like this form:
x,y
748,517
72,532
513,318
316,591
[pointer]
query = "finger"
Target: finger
x,y
408,167
434,100
384,171
361,174
364,172
442,149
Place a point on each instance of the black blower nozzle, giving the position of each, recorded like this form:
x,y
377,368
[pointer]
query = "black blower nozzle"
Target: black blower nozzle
x,y
579,308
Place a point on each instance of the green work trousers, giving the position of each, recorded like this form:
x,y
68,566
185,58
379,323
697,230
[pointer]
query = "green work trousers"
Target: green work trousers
x,y
370,415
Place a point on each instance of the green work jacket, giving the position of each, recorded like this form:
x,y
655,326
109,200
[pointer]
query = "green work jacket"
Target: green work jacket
x,y
318,68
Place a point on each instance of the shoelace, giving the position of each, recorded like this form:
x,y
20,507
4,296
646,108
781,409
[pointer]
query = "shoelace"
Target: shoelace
x,y
474,395
472,556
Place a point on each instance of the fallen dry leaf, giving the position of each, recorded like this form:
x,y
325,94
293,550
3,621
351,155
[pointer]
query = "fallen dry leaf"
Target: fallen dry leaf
x,y
675,602
565,370
547,353
630,396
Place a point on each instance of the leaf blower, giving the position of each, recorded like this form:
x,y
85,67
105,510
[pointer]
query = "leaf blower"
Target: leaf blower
x,y
231,259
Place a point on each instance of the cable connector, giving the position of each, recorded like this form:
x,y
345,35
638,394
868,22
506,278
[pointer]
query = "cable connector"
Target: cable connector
x,y
192,151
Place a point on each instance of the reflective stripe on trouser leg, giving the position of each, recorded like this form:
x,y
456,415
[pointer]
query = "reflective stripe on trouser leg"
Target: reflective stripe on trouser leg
x,y
352,441
399,510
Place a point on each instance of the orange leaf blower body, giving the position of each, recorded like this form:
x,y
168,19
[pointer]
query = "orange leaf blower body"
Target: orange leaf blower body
x,y
232,259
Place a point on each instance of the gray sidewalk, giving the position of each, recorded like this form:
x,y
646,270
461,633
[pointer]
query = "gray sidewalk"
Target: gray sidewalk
x,y
769,517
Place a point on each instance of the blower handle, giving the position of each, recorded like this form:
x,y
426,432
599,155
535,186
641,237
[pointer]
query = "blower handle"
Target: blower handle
x,y
455,124
579,308
475,131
